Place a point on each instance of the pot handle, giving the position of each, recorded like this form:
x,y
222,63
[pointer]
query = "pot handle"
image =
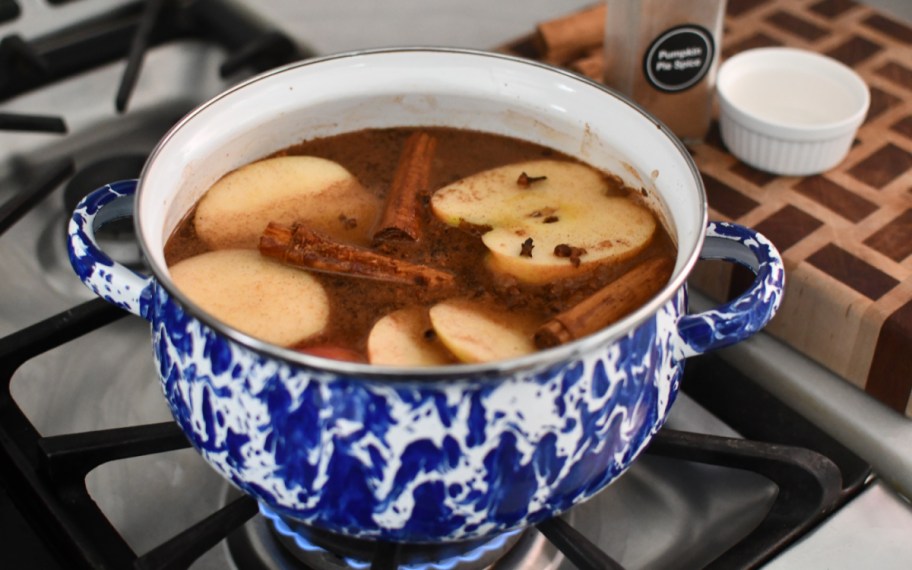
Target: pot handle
x,y
748,313
108,279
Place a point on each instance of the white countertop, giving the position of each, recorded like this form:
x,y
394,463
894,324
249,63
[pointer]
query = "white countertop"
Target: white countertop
x,y
873,531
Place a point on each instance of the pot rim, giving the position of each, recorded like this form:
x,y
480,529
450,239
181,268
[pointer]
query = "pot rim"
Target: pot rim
x,y
536,360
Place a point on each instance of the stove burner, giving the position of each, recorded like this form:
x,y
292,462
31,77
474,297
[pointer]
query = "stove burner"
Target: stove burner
x,y
320,549
269,543
45,480
116,238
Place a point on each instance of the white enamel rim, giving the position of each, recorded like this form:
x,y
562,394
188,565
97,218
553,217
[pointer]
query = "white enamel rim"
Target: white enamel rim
x,y
792,59
158,162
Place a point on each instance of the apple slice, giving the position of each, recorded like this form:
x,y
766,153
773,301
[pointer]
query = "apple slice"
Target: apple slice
x,y
254,295
478,333
317,192
573,207
405,338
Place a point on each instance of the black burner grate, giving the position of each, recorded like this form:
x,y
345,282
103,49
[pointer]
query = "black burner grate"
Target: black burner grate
x,y
43,478
27,64
46,475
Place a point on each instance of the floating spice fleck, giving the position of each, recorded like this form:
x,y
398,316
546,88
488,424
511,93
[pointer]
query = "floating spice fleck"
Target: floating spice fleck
x,y
526,250
568,251
524,180
348,223
550,220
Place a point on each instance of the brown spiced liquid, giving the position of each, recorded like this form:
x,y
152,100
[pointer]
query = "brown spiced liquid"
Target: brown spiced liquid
x,y
371,156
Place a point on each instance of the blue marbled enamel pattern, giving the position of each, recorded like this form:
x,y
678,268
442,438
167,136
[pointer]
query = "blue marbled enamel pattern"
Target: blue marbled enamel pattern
x,y
403,458
409,460
109,280
747,314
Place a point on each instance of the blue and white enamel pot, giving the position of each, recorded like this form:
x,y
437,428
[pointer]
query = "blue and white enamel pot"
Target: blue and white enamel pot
x,y
432,454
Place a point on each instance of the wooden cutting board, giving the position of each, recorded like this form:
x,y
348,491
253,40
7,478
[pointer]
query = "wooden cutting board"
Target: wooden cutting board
x,y
845,235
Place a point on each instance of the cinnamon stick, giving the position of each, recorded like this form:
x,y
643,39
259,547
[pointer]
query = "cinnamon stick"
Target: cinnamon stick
x,y
301,247
591,64
401,218
563,39
607,305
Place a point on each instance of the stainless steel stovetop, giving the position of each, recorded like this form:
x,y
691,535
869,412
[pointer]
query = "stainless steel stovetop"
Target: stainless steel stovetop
x,y
111,382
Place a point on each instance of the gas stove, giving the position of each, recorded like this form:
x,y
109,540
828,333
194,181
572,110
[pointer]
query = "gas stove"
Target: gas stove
x,y
96,474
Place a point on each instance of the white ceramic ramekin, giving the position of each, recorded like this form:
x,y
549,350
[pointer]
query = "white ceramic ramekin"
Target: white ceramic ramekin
x,y
789,111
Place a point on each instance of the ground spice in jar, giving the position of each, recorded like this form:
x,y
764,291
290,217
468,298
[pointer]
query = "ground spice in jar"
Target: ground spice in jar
x,y
664,56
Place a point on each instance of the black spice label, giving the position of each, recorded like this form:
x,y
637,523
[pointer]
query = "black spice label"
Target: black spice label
x,y
679,58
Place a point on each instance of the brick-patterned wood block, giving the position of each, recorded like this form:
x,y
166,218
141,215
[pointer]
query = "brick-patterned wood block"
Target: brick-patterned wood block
x,y
752,175
882,166
881,101
890,378
894,239
788,226
846,234
897,73
757,40
903,126
796,25
896,30
743,7
726,199
854,50
833,8
852,271
834,197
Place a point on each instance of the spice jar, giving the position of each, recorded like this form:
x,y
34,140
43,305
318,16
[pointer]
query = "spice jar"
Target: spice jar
x,y
664,56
